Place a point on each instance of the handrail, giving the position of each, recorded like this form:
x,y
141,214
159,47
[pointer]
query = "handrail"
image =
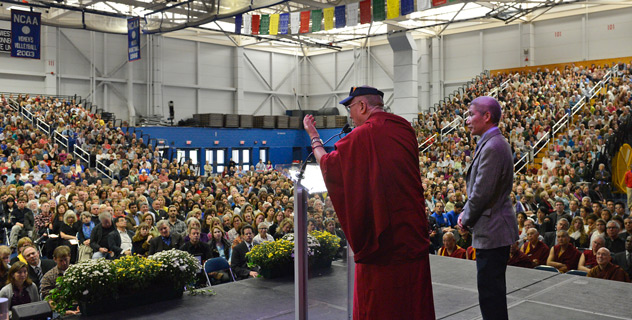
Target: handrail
x,y
59,138
43,126
427,142
560,124
524,160
104,170
82,154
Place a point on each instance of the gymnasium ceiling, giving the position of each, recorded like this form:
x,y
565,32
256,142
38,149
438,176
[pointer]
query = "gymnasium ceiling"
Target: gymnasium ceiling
x,y
213,20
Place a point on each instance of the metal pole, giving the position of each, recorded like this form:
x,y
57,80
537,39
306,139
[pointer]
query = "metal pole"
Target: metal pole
x,y
350,281
300,252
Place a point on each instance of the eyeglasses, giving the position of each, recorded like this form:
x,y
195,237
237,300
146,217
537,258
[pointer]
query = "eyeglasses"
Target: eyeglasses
x,y
349,106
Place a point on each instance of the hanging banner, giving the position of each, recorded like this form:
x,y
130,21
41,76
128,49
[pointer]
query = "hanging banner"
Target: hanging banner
x,y
392,9
256,21
365,11
317,20
424,5
264,25
340,17
25,34
295,22
5,40
352,14
133,38
247,24
329,18
305,21
408,6
238,19
379,13
436,3
274,24
284,22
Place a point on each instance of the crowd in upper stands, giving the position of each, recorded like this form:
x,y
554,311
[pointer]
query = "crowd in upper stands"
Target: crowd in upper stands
x,y
569,192
58,210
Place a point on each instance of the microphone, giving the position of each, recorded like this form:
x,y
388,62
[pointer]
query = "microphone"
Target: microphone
x,y
346,129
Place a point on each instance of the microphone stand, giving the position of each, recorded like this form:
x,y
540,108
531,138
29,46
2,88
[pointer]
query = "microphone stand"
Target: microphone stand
x,y
301,174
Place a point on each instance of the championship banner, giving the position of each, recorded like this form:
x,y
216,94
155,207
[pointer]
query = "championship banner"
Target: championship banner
x,y
304,21
295,22
256,20
329,18
274,24
5,40
247,24
436,3
379,13
264,27
352,14
424,5
238,20
392,9
340,17
25,34
317,20
284,22
407,6
133,38
365,11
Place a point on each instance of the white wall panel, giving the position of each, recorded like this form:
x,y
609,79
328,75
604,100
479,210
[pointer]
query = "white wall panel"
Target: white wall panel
x,y
608,34
216,65
260,68
379,77
178,62
462,59
558,40
501,48
213,101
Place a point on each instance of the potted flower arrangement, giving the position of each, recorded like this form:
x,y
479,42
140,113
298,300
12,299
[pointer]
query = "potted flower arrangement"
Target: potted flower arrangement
x,y
327,249
130,281
274,258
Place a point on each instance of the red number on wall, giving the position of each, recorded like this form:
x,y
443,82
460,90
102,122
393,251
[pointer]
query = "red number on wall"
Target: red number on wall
x,y
558,34
611,26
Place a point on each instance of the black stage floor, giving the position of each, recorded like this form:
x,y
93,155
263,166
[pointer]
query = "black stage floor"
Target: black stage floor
x,y
532,294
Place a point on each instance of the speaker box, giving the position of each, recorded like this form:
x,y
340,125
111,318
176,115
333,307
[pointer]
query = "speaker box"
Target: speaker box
x,y
32,311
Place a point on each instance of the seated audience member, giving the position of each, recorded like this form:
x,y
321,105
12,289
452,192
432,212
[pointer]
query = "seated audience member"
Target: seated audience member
x,y
450,249
563,256
19,289
196,247
613,242
600,230
518,258
588,259
22,243
550,238
453,215
5,254
120,240
140,241
286,226
534,248
442,218
99,236
68,233
36,267
464,237
263,235
23,221
624,259
84,251
627,225
166,240
605,269
176,225
238,261
61,256
578,234
195,223
470,253
220,248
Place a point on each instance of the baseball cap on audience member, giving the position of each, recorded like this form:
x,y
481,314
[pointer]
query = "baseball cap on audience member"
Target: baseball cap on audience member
x,y
361,91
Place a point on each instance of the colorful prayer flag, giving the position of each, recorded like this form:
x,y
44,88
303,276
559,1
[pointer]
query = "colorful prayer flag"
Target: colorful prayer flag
x,y
352,14
247,24
238,19
295,21
274,24
365,11
379,13
392,9
408,6
424,5
284,22
317,20
256,20
340,17
304,21
329,18
264,27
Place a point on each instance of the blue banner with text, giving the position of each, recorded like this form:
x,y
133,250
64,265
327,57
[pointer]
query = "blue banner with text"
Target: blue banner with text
x,y
133,38
25,31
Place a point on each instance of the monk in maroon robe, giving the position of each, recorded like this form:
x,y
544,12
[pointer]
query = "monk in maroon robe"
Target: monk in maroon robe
x,y
374,182
563,256
588,259
535,249
606,270
518,258
450,249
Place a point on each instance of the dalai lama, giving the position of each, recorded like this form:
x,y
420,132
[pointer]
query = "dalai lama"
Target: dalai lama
x,y
374,182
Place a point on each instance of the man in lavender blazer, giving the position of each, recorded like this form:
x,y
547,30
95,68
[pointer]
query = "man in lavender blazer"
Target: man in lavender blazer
x,y
489,212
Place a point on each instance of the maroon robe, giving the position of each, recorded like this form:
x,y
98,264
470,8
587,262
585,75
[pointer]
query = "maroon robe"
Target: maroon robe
x,y
570,257
374,182
539,252
520,259
457,253
609,272
590,260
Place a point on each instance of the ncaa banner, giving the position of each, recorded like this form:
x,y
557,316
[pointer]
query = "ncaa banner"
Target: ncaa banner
x,y
133,38
25,30
5,40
